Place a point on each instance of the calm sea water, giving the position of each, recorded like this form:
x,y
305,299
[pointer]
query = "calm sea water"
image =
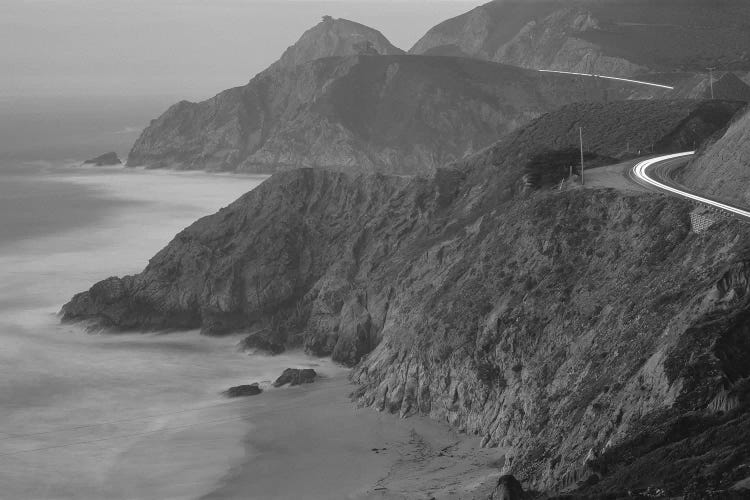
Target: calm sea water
x,y
109,416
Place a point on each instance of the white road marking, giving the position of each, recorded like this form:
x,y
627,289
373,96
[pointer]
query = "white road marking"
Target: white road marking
x,y
640,171
608,78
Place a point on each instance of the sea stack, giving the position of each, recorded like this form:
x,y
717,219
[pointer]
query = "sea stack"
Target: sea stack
x,y
105,160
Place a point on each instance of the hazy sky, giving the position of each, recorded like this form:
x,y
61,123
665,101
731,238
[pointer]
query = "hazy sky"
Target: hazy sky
x,y
185,48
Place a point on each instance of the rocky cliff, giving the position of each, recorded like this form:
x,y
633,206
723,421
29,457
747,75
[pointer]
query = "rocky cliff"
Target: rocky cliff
x,y
336,38
395,114
589,331
614,37
722,170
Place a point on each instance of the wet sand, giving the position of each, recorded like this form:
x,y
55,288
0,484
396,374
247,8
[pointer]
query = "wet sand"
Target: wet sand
x,y
311,442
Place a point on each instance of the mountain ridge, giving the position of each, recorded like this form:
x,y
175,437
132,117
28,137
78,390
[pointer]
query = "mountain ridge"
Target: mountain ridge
x,y
393,114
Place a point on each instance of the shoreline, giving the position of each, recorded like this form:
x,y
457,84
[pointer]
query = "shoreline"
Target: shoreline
x,y
312,442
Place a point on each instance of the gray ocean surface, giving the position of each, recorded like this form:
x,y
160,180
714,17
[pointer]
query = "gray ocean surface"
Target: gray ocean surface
x,y
93,416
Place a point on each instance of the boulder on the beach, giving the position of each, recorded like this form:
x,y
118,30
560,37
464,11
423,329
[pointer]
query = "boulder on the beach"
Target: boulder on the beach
x,y
508,488
243,390
105,160
296,376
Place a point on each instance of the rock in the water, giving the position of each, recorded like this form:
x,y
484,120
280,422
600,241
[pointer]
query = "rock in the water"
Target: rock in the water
x,y
296,376
105,160
508,488
243,390
264,343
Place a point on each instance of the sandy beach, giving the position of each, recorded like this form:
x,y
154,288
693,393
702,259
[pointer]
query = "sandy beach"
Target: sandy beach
x,y
312,442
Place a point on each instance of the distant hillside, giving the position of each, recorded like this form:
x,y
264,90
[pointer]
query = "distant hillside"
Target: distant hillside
x,y
723,169
398,114
615,37
336,37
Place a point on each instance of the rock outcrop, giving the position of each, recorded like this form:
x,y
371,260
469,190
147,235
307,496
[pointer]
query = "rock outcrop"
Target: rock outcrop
x,y
296,376
590,332
107,159
240,391
508,488
722,170
392,114
615,37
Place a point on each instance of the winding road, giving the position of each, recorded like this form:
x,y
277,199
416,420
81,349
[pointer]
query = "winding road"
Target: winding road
x,y
647,173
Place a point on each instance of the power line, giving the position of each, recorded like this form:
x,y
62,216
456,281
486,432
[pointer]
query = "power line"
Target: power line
x,y
580,132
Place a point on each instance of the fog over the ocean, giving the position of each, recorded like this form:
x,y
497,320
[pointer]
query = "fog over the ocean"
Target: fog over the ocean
x,y
185,48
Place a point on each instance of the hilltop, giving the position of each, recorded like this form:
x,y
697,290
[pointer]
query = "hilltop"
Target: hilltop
x,y
336,38
614,37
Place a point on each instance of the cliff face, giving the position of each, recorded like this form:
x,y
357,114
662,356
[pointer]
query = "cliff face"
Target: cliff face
x,y
722,170
579,328
614,37
336,38
396,114
552,43
282,259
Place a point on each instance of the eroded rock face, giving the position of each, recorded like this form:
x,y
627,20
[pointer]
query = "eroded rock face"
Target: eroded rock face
x,y
551,43
295,283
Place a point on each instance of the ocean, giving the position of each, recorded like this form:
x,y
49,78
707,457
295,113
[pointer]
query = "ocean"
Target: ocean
x,y
116,416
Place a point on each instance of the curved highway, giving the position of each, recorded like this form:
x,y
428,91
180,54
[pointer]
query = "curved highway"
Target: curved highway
x,y
643,173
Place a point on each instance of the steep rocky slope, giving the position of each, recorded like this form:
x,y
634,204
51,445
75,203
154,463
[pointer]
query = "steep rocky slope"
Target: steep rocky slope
x,y
722,170
336,37
396,114
616,37
589,331
697,85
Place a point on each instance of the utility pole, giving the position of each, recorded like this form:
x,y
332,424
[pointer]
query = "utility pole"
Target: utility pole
x,y
580,133
711,80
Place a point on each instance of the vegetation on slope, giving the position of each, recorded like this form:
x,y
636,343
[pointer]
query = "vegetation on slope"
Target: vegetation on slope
x,y
617,130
